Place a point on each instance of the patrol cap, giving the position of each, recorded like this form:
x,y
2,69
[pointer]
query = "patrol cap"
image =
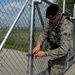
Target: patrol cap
x,y
52,10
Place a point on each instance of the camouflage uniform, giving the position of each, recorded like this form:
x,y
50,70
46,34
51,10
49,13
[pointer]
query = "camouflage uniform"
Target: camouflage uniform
x,y
60,42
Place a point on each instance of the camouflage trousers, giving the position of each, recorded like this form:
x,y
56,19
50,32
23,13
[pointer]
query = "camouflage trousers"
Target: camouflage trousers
x,y
56,70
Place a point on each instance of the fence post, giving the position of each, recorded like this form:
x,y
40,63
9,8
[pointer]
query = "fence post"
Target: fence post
x,y
74,12
30,58
63,6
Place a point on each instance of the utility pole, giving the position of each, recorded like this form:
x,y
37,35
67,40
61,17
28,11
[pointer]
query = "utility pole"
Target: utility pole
x,y
63,6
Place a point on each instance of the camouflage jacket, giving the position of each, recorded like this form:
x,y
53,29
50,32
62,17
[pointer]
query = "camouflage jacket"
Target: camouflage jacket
x,y
59,37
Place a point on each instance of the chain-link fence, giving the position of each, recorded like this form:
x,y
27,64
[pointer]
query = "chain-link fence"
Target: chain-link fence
x,y
40,64
13,59
15,25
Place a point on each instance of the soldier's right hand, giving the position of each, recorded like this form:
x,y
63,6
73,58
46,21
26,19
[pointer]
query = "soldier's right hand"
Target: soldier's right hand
x,y
36,49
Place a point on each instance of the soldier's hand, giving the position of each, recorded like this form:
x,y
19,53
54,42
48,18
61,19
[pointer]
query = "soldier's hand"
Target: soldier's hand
x,y
40,54
36,49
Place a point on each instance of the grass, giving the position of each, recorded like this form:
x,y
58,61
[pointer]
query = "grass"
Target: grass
x,y
18,39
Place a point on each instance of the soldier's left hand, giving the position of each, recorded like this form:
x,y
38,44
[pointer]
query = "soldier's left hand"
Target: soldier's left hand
x,y
40,54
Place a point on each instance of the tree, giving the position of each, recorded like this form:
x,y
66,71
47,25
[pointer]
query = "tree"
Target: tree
x,y
69,4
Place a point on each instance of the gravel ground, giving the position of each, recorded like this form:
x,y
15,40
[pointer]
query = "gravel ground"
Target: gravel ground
x,y
71,70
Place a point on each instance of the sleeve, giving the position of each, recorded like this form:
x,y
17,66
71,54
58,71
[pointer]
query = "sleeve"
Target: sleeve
x,y
43,35
66,35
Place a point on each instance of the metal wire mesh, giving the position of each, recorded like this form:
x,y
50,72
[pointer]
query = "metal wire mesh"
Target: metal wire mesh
x,y
13,59
40,64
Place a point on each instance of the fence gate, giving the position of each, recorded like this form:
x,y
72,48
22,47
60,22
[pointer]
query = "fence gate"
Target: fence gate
x,y
16,36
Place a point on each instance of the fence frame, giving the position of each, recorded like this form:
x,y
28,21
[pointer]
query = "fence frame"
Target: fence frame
x,y
30,55
30,72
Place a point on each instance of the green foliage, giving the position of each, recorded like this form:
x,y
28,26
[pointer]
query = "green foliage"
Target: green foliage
x,y
69,4
67,1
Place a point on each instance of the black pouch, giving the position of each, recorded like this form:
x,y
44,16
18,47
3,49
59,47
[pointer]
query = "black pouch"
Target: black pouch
x,y
49,65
